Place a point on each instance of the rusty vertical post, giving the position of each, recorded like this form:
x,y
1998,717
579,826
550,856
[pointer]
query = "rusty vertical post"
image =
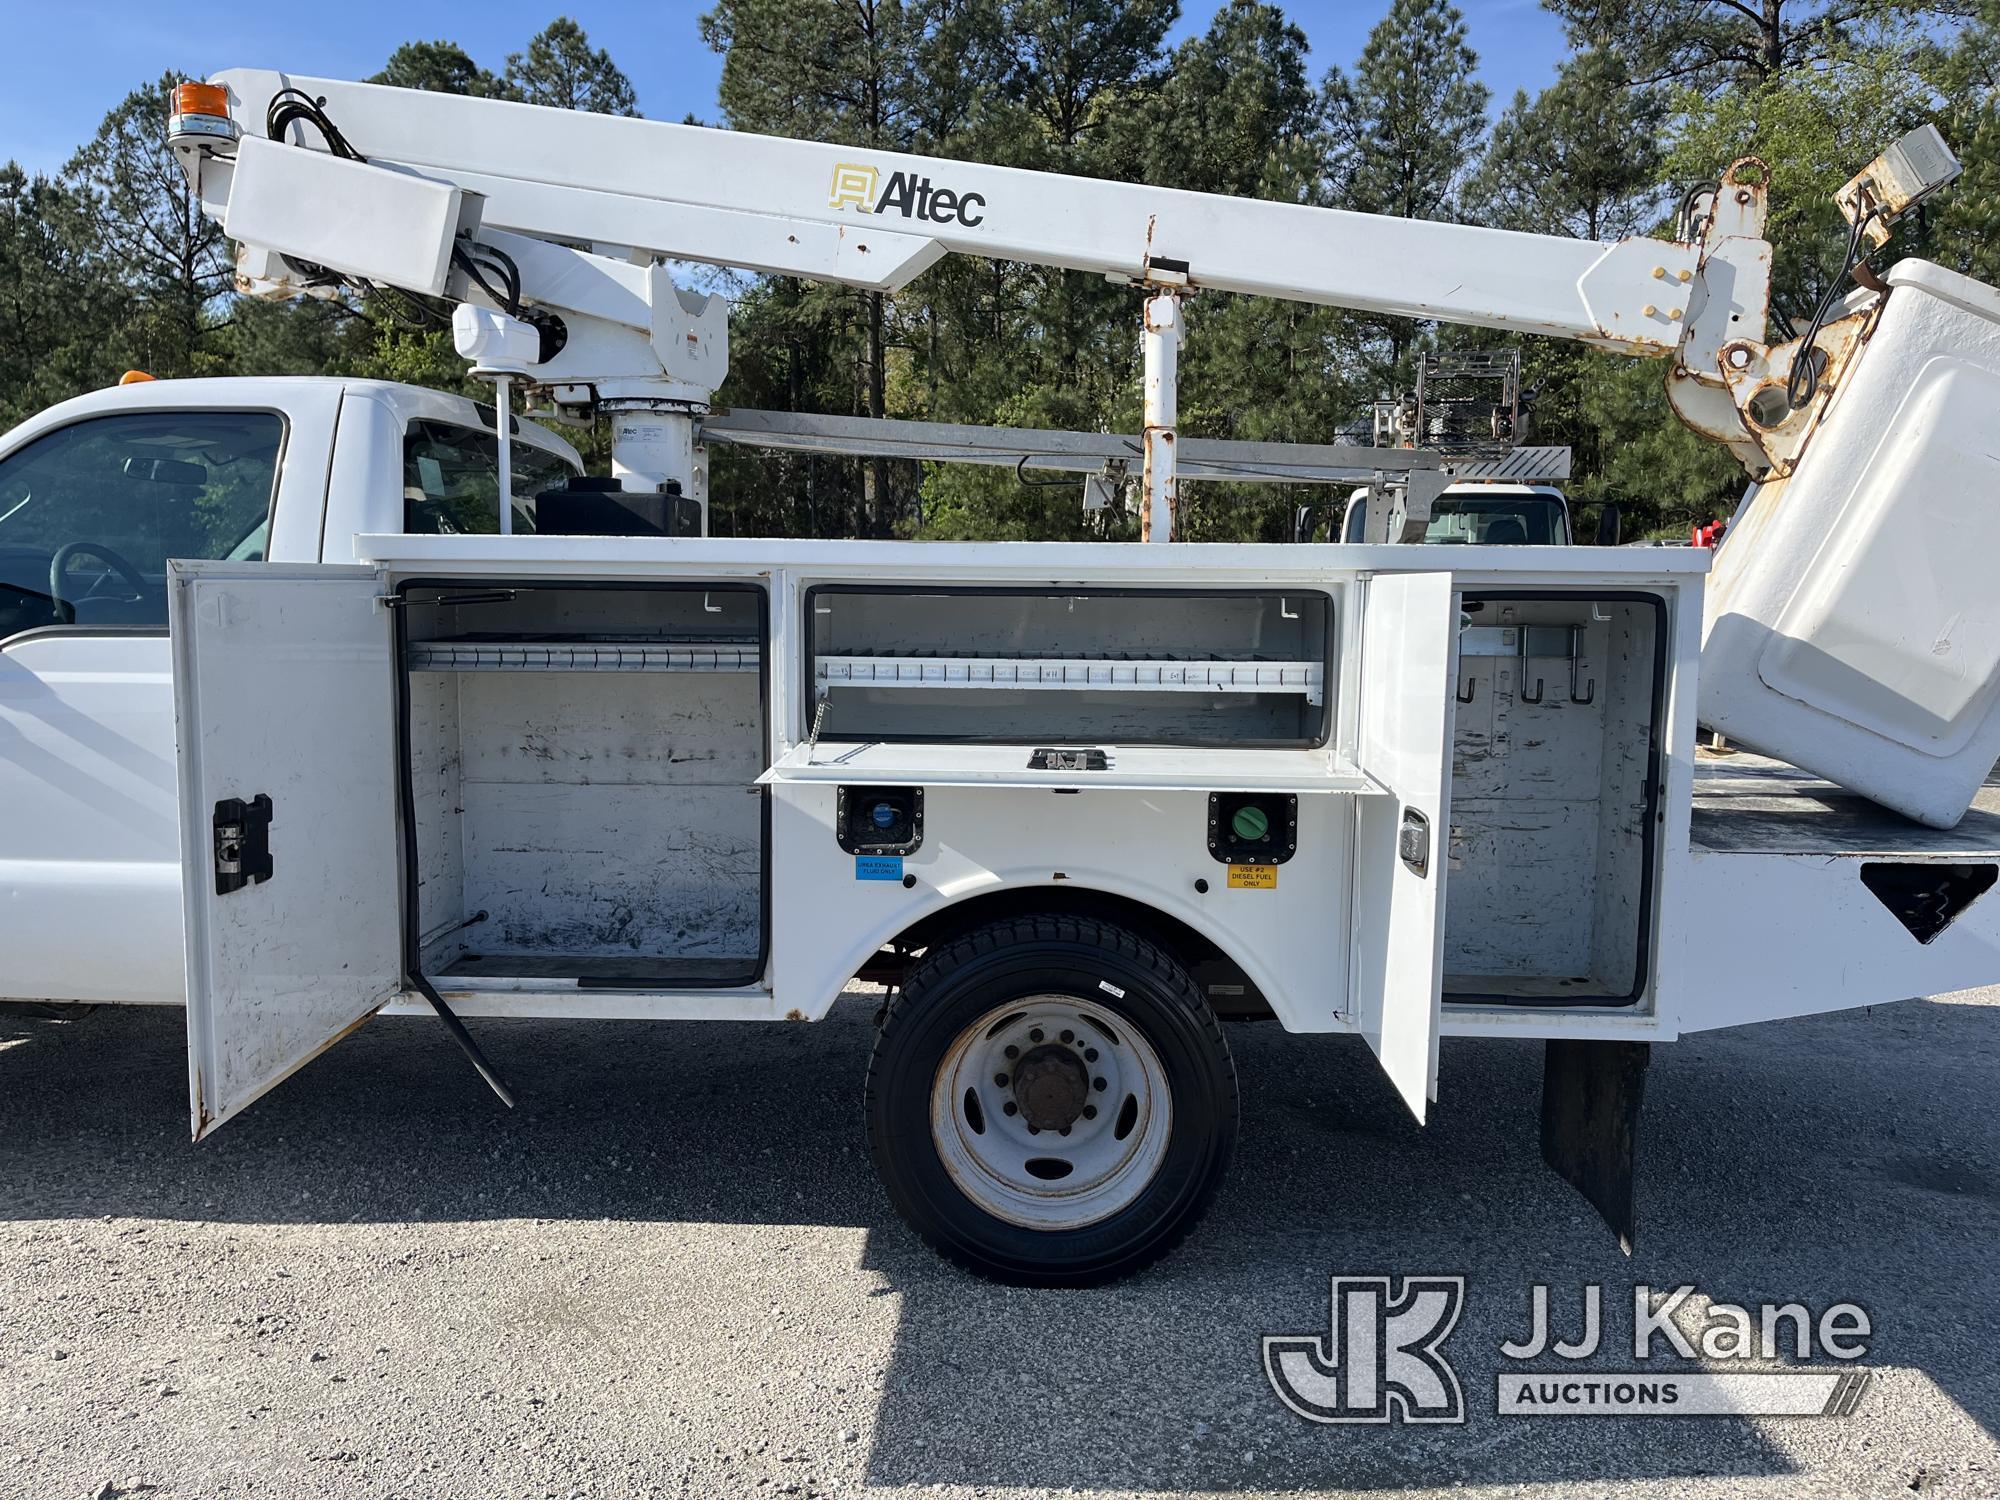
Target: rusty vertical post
x,y
1162,342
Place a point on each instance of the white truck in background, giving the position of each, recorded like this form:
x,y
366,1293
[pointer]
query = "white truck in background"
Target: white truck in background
x,y
1482,513
1073,803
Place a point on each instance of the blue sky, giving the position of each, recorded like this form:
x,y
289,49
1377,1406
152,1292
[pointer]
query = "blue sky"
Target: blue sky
x,y
63,82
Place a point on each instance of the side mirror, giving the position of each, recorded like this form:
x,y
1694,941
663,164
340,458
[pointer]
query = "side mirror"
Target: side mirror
x,y
1610,524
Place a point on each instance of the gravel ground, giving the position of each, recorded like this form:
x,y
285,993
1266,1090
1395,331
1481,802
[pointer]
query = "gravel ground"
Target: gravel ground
x,y
670,1271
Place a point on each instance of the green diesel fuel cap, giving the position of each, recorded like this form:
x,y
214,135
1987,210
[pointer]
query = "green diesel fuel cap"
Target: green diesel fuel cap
x,y
1251,824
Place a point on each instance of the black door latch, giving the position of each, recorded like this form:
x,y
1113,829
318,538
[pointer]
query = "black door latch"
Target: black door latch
x,y
242,842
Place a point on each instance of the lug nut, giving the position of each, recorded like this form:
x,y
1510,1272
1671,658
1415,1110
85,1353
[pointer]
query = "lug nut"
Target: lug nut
x,y
1034,1130
1063,1131
1035,1035
1068,1037
1090,1111
1090,1054
1013,1052
1099,1084
1010,1108
1000,1080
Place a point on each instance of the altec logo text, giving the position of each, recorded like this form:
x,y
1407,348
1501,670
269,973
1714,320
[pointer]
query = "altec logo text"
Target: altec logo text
x,y
907,194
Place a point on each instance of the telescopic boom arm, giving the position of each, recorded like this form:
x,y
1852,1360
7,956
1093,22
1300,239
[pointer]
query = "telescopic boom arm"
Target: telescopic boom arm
x,y
556,224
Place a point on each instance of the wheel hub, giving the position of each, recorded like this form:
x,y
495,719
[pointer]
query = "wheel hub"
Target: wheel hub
x,y
1051,1085
1051,1112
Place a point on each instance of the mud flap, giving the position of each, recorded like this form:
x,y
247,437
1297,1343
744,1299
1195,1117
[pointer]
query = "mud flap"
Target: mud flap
x,y
1591,1092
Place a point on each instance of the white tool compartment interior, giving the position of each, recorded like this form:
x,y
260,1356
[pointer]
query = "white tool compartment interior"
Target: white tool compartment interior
x,y
582,769
1552,856
1225,667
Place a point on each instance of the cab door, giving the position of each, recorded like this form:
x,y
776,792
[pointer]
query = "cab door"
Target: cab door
x,y
1409,640
291,871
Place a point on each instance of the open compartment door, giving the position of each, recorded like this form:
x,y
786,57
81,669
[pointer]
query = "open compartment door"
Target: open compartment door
x,y
285,705
1408,635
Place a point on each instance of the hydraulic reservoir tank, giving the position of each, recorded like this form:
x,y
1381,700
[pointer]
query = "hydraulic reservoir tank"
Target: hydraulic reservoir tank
x,y
1852,620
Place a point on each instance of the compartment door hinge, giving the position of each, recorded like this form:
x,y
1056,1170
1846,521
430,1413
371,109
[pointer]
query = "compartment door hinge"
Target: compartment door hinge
x,y
242,842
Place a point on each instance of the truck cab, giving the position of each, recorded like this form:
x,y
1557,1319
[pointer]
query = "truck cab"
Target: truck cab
x,y
1483,514
96,495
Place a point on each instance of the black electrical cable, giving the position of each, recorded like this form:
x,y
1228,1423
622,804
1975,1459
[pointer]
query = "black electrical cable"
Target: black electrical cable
x,y
1803,382
1688,201
291,105
476,259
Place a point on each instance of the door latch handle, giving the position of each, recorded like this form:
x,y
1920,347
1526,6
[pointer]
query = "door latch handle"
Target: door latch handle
x,y
1413,842
242,842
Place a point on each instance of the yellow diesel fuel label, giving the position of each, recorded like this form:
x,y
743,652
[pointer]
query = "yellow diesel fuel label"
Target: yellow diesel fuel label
x,y
1253,877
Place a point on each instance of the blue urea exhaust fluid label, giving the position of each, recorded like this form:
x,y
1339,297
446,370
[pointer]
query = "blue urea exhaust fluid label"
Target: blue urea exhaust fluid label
x,y
878,867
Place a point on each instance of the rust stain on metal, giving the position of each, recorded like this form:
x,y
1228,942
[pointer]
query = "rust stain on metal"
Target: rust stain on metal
x,y
795,1014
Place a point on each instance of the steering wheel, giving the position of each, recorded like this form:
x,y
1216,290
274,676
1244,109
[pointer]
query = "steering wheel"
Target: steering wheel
x,y
59,565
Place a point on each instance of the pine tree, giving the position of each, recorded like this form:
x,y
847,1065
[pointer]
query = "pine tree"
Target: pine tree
x,y
561,69
440,67
57,309
1232,97
1238,114
884,74
1406,128
148,235
1713,47
1581,158
1404,133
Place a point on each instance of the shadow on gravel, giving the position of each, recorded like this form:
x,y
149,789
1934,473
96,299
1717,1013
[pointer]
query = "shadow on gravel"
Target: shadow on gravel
x,y
1846,1158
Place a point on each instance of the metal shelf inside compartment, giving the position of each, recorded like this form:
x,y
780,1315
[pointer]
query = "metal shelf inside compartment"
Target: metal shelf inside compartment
x,y
1097,672
578,653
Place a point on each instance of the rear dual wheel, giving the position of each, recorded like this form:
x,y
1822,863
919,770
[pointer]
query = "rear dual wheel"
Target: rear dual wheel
x,y
1050,1101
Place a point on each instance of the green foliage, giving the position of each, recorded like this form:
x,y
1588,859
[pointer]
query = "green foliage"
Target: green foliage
x,y
1581,158
441,68
1813,126
145,234
1405,129
110,265
55,306
1716,46
562,70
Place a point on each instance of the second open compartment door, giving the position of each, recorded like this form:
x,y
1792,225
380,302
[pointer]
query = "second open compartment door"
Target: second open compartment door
x,y
1409,629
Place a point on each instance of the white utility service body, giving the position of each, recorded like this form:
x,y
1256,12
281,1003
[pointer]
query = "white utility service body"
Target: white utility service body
x,y
302,708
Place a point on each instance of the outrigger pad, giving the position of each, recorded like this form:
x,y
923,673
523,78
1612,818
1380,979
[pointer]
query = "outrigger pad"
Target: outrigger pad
x,y
1591,1092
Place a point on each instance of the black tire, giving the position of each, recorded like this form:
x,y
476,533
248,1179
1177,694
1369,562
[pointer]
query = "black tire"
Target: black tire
x,y
956,984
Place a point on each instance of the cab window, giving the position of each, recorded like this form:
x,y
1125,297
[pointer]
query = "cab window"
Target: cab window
x,y
90,513
1498,521
451,480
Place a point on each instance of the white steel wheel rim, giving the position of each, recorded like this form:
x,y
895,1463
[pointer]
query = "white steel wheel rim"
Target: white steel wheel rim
x,y
1045,1175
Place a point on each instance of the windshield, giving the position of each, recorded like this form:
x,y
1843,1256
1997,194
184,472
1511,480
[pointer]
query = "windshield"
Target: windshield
x,y
1484,521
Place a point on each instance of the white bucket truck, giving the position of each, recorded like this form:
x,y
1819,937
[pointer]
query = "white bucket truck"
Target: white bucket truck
x,y
1075,804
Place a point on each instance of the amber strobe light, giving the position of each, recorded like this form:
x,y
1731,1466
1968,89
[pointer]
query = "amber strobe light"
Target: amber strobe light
x,y
200,110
